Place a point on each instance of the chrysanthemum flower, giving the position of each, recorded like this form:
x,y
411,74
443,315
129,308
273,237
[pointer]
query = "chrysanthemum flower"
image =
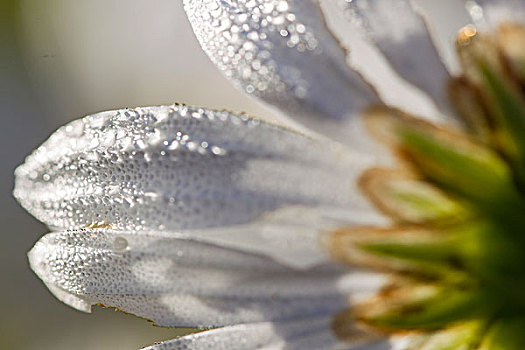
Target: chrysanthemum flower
x,y
391,230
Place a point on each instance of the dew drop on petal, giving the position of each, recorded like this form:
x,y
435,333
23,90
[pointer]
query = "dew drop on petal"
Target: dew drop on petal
x,y
120,244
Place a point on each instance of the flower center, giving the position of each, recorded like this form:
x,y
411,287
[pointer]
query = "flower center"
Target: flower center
x,y
456,252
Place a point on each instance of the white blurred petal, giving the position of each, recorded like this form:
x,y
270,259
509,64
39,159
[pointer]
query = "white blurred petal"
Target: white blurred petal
x,y
305,334
178,167
491,13
174,280
282,52
401,34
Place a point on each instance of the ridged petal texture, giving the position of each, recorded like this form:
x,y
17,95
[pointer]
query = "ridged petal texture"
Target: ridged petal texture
x,y
400,33
305,334
494,12
225,177
175,280
282,52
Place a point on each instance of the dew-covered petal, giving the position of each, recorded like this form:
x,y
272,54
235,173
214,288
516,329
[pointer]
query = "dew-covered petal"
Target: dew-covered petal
x,y
401,34
174,280
491,13
178,167
282,52
311,333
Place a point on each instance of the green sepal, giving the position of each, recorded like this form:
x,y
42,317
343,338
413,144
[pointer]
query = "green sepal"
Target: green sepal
x,y
508,109
510,38
436,257
495,258
474,172
465,97
411,200
446,306
464,336
430,206
505,334
520,69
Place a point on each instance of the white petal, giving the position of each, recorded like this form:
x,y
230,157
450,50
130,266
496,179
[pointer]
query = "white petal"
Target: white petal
x,y
282,52
239,337
491,13
177,168
305,334
290,236
401,34
174,280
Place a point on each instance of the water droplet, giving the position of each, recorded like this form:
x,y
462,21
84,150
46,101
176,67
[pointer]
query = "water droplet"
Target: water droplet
x,y
75,128
218,151
120,244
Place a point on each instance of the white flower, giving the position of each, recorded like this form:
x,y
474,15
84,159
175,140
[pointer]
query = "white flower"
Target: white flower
x,y
199,218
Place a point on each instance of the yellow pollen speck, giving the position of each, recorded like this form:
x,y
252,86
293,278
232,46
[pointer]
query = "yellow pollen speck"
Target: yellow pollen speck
x,y
466,34
98,225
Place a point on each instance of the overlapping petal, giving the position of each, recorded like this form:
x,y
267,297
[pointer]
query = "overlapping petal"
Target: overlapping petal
x,y
175,280
183,168
401,34
314,333
282,52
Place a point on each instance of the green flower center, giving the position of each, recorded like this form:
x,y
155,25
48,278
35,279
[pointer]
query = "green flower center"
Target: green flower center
x,y
457,251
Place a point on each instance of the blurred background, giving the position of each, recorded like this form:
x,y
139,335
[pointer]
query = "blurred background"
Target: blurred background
x,y
63,59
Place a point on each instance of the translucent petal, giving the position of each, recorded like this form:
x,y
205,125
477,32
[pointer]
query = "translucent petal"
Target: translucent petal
x,y
312,333
401,34
177,167
174,280
491,13
282,52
